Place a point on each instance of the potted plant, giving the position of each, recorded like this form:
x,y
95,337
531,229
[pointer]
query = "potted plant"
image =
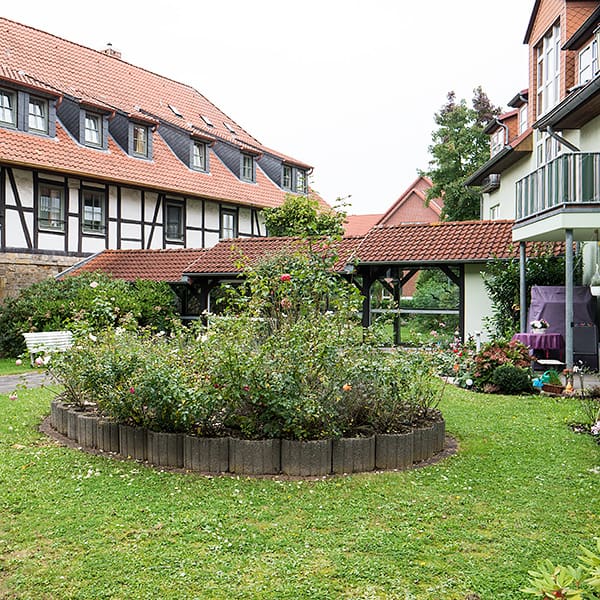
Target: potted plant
x,y
552,383
539,326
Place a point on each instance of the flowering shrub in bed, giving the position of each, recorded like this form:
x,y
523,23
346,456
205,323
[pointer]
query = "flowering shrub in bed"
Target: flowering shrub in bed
x,y
285,360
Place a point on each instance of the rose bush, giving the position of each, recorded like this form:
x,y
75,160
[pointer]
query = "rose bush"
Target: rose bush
x,y
266,368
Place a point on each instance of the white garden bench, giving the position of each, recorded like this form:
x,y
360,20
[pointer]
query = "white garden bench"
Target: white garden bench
x,y
47,342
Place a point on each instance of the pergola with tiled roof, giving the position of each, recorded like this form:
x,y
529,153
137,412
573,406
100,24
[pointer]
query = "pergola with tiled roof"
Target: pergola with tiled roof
x,y
391,255
130,265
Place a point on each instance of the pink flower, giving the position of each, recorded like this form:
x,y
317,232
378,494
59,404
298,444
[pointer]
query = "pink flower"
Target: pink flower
x,y
18,362
285,277
132,390
286,303
246,388
13,396
39,361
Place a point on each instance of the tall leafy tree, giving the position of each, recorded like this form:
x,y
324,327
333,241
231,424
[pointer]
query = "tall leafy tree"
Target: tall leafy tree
x,y
303,217
459,147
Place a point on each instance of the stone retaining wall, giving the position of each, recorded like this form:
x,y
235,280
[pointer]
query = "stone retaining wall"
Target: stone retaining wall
x,y
249,457
19,270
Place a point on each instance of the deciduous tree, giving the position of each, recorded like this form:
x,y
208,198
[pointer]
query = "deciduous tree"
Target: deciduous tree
x,y
459,148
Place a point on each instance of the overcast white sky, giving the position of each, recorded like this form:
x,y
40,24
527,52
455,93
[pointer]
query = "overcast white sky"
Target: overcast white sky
x,y
347,86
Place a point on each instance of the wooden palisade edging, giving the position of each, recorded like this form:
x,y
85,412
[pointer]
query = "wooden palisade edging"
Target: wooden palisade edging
x,y
249,457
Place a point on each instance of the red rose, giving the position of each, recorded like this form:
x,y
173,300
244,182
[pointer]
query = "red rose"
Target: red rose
x,y
285,277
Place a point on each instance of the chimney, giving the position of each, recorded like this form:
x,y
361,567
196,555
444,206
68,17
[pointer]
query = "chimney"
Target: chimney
x,y
110,51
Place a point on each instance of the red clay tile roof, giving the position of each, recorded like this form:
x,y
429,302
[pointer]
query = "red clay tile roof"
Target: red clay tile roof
x,y
446,242
156,265
228,255
43,61
412,243
359,224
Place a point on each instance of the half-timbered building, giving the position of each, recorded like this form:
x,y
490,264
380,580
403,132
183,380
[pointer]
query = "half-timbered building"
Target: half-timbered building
x,y
96,153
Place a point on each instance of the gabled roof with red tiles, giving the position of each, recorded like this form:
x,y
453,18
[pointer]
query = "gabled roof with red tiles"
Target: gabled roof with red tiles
x,y
360,224
39,60
418,188
445,242
155,265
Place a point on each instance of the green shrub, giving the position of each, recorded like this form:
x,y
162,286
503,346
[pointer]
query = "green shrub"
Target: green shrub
x,y
511,379
495,354
86,303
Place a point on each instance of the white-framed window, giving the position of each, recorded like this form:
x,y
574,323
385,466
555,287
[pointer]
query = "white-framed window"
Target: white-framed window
x,y
38,115
247,167
548,70
199,156
522,119
94,211
228,224
301,181
286,178
588,62
93,129
497,141
140,140
174,226
51,208
494,211
8,108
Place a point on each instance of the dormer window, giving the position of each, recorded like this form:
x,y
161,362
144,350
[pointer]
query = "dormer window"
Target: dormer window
x,y
286,180
497,141
140,140
199,156
93,129
8,108
247,167
301,181
293,179
38,115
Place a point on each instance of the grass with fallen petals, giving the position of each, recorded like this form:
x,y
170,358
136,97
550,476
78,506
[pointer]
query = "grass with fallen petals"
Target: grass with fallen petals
x,y
522,487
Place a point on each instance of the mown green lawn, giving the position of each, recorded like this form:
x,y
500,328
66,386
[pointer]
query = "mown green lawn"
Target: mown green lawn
x,y
522,487
8,366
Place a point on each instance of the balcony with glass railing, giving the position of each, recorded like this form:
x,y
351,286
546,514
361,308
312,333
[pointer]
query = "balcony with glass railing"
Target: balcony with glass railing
x,y
569,181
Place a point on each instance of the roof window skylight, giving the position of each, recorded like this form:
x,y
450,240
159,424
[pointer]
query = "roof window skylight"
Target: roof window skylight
x,y
207,120
175,111
229,127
